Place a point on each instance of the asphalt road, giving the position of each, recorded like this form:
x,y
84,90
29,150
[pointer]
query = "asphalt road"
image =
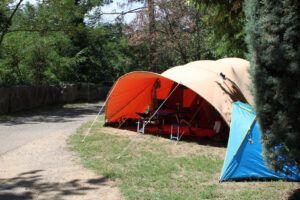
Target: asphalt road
x,y
35,162
31,125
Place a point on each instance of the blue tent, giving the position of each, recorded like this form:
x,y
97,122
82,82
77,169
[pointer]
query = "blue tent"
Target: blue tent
x,y
244,158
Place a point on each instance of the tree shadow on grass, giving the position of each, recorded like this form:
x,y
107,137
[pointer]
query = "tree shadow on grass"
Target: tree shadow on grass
x,y
295,195
29,185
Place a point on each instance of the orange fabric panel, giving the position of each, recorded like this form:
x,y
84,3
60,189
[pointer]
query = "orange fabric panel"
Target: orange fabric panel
x,y
129,98
133,93
165,88
188,97
203,132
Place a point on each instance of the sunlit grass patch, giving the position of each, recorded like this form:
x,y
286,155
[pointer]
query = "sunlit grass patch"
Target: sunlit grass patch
x,y
147,167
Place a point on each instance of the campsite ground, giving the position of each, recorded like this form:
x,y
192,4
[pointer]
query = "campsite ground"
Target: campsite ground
x,y
35,162
38,160
152,167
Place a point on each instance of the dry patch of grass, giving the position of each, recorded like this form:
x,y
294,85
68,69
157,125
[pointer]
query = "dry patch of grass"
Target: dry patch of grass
x,y
150,167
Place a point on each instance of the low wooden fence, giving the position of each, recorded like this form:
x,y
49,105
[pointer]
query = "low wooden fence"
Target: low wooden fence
x,y
18,98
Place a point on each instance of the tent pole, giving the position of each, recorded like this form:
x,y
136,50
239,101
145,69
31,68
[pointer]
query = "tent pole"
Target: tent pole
x,y
148,121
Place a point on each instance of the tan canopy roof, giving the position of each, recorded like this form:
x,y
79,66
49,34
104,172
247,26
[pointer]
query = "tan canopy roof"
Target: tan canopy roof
x,y
219,82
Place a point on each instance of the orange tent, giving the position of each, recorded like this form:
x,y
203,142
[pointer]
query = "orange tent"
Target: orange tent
x,y
219,82
195,95
133,93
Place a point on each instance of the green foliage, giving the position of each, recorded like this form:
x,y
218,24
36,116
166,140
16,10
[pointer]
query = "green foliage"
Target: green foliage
x,y
273,30
29,58
3,15
225,20
49,43
105,55
53,41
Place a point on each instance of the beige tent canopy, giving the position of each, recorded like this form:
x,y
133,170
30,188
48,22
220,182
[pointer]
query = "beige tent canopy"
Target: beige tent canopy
x,y
219,82
205,78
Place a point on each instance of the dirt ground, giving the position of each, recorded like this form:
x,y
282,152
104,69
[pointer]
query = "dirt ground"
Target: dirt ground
x,y
42,167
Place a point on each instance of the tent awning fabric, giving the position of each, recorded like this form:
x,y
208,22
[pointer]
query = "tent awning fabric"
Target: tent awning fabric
x,y
244,156
133,92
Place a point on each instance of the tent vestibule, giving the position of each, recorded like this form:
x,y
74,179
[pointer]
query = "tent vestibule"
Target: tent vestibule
x,y
201,105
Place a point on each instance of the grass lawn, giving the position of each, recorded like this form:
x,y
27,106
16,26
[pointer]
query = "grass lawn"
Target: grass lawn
x,y
151,167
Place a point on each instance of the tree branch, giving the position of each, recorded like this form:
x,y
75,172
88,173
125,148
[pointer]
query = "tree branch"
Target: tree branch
x,y
5,30
123,13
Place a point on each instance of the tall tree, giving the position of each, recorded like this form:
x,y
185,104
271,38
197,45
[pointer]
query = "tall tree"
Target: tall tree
x,y
152,49
273,37
180,34
150,6
50,43
226,20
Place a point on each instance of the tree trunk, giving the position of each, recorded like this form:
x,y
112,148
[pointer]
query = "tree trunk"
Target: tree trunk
x,y
152,49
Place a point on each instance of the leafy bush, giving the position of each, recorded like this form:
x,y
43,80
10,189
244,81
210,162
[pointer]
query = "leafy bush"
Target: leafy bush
x,y
274,40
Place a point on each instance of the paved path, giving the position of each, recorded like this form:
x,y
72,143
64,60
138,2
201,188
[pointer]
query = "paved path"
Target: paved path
x,y
34,161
